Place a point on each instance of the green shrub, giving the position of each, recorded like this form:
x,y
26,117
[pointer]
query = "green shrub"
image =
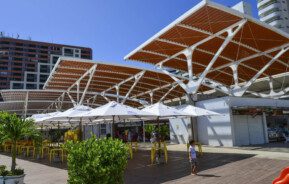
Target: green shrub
x,y
96,161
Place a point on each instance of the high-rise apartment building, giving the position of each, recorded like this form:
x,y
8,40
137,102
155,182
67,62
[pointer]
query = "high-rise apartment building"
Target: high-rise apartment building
x,y
26,64
274,13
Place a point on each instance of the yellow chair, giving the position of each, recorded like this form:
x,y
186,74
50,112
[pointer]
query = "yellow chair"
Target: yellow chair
x,y
27,148
45,147
7,146
55,151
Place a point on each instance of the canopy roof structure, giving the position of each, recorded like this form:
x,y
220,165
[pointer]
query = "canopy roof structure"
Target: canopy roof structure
x,y
99,83
215,47
77,81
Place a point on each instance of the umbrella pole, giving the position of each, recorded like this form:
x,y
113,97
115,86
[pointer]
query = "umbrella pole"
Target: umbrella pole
x,y
58,127
112,128
143,131
159,140
80,129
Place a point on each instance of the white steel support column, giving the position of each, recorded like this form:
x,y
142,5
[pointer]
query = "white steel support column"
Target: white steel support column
x,y
72,100
195,85
91,74
234,68
103,95
195,82
151,97
189,55
117,92
26,104
241,90
77,90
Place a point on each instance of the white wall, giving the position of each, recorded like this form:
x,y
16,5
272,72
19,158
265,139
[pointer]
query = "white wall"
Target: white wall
x,y
180,130
215,130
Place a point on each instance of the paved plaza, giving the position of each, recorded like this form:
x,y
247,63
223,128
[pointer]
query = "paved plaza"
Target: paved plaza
x,y
218,165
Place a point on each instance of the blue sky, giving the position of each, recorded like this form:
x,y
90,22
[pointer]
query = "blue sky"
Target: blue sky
x,y
112,28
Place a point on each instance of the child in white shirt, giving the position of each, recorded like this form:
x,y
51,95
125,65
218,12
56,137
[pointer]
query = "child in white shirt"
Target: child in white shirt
x,y
193,157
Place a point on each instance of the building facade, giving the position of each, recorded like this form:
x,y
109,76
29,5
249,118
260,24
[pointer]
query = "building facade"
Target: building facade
x,y
243,7
26,64
274,13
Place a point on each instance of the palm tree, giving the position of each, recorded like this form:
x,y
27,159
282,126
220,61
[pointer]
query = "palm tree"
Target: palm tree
x,y
14,129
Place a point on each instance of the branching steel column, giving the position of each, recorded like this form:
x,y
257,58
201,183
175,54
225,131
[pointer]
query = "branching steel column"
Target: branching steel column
x,y
72,100
152,97
195,85
117,93
241,90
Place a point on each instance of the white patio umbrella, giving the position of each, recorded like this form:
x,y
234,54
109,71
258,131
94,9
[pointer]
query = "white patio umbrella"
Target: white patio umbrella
x,y
66,115
196,111
162,111
113,111
40,118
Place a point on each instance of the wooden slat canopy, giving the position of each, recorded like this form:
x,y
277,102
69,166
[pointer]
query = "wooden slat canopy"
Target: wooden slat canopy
x,y
253,46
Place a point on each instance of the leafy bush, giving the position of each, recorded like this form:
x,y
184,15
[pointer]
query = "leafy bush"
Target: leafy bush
x,y
96,161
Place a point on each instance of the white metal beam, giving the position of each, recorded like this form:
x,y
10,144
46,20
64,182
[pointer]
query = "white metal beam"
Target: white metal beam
x,y
239,91
136,80
168,92
195,85
26,104
91,74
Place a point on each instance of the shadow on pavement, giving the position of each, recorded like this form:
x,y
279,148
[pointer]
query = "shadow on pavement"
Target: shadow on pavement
x,y
140,171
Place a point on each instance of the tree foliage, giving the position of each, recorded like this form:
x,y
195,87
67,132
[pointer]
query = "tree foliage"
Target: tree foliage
x,y
14,129
96,161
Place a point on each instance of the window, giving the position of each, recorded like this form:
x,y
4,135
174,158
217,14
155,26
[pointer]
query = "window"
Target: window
x,y
44,69
3,68
43,78
31,86
17,86
31,77
54,59
41,86
68,52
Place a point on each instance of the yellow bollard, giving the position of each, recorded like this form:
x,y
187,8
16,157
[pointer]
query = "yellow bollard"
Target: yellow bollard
x,y
153,154
130,150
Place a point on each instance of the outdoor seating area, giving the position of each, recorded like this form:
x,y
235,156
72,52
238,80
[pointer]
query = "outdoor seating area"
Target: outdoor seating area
x,y
209,106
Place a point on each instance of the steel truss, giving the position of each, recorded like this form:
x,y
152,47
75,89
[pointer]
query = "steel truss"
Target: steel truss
x,y
194,81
